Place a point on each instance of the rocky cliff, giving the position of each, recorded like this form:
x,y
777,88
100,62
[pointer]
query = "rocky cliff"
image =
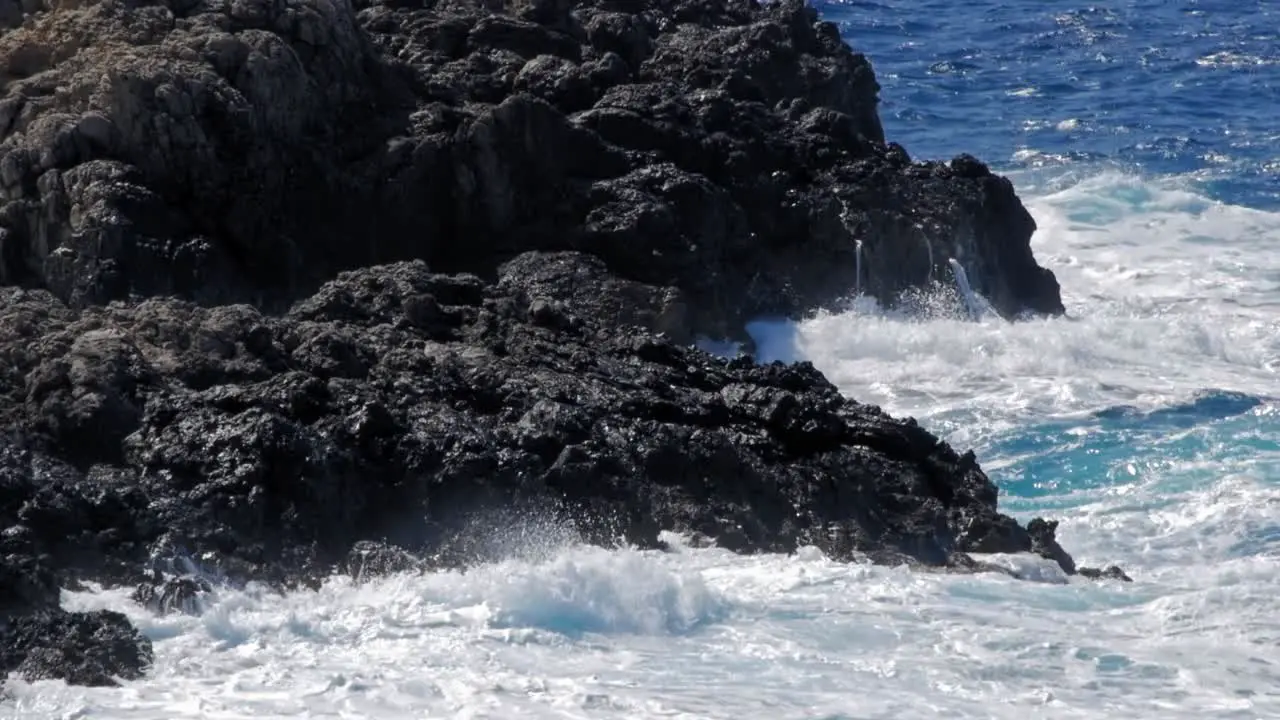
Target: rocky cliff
x,y
246,151
300,285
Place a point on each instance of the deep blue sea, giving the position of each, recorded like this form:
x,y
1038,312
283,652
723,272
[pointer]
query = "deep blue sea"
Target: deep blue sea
x,y
1145,139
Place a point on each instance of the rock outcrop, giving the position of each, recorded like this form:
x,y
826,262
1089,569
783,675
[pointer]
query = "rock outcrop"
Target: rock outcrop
x,y
394,418
297,286
247,150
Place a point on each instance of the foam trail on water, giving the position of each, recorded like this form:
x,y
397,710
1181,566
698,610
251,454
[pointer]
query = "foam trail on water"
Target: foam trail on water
x,y
966,292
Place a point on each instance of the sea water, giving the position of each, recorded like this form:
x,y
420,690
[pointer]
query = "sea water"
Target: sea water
x,y
1143,138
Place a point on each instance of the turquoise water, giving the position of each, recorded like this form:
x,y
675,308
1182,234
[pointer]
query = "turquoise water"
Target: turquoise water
x,y
1228,430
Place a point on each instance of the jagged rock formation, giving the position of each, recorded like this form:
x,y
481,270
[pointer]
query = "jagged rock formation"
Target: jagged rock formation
x,y
399,407
247,151
537,205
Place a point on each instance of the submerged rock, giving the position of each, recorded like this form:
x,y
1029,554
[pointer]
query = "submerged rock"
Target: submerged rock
x,y
1112,572
226,358
181,594
369,559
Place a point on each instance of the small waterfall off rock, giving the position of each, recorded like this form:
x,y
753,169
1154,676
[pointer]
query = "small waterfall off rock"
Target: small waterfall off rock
x,y
857,268
966,292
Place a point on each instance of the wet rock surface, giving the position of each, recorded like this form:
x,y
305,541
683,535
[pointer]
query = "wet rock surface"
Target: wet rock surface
x,y
297,288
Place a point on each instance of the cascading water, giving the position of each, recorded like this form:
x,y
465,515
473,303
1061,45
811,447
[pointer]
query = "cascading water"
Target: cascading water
x,y
966,292
857,266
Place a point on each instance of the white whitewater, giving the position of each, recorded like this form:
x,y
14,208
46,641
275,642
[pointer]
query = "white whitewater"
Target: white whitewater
x,y
1171,293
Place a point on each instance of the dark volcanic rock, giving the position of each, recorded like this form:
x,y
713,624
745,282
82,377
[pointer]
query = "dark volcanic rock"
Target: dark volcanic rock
x,y
1112,572
397,405
190,398
179,593
93,648
381,424
245,152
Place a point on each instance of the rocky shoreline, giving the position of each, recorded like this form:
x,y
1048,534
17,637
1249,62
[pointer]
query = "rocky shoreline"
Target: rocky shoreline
x,y
291,288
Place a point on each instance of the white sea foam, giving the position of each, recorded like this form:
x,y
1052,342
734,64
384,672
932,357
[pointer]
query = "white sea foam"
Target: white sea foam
x,y
1169,293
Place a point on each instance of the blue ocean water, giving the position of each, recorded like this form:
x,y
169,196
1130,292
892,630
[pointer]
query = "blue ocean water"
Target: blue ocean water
x,y
1143,137
1174,89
